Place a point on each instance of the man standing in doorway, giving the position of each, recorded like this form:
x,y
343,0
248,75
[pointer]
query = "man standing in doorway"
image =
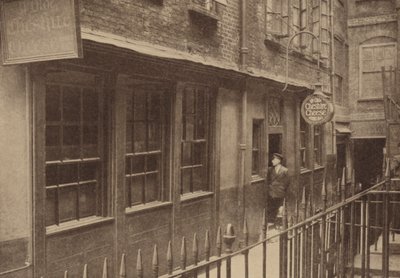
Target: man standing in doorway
x,y
277,184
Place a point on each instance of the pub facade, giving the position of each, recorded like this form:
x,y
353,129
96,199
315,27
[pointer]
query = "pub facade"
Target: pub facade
x,y
163,128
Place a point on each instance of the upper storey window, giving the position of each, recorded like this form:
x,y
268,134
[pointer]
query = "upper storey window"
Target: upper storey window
x,y
210,9
277,17
372,59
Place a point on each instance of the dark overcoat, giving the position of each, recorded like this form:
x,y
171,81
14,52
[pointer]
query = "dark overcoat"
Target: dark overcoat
x,y
277,182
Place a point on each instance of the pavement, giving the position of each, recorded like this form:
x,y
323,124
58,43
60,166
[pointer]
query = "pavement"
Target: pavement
x,y
255,261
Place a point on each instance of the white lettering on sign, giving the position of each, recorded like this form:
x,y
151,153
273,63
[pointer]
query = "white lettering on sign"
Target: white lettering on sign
x,y
316,110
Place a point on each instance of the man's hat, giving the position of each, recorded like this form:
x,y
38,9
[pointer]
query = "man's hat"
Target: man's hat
x,y
278,155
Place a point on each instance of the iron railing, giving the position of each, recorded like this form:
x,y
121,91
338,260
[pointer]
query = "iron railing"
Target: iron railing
x,y
353,237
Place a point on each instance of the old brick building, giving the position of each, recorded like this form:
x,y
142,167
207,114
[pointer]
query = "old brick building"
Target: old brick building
x,y
166,127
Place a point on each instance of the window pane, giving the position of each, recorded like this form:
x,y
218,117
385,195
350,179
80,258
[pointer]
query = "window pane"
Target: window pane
x,y
71,142
154,107
201,116
186,173
71,104
50,207
186,154
139,105
90,136
51,175
152,185
137,184
199,153
188,128
53,146
67,203
87,200
139,137
71,135
129,138
88,171
199,179
154,143
188,101
138,164
68,173
53,112
255,163
128,164
90,105
152,162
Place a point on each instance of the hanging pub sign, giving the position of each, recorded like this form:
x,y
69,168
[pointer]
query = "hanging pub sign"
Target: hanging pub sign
x,y
316,109
39,30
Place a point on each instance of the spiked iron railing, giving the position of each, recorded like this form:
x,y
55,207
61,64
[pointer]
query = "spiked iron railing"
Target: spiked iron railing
x,y
344,240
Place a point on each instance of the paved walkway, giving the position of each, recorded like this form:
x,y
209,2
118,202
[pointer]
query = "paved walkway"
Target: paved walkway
x,y
255,262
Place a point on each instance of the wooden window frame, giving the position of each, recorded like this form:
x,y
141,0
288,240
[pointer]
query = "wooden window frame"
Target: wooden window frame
x,y
318,144
207,140
361,71
339,94
101,179
257,148
304,149
162,122
275,11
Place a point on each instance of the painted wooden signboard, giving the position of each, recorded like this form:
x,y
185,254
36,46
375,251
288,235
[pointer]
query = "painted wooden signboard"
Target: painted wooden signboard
x,y
39,30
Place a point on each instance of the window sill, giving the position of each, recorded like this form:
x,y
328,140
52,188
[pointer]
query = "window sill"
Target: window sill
x,y
304,171
202,11
77,224
318,167
147,207
370,99
257,179
196,195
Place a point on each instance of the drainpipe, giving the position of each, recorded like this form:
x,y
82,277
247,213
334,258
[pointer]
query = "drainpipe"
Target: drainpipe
x,y
243,40
242,157
332,80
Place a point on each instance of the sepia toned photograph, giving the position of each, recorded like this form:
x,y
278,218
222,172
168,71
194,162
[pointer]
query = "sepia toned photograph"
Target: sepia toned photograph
x,y
199,139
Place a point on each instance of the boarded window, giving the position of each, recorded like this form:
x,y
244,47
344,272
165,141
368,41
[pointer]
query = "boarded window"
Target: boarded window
x,y
373,58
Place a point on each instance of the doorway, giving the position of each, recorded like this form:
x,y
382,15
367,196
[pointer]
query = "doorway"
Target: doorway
x,y
368,160
274,146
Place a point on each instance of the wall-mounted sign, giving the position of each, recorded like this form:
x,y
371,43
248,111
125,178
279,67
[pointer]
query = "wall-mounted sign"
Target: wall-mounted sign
x,y
316,109
39,30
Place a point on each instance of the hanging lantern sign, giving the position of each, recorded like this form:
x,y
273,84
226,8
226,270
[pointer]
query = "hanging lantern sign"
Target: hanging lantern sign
x,y
316,109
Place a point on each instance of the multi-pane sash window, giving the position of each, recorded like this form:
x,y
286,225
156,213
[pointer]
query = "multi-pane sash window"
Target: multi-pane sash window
x,y
339,97
275,107
321,28
73,152
299,19
144,141
303,142
277,17
318,145
195,139
256,147
373,58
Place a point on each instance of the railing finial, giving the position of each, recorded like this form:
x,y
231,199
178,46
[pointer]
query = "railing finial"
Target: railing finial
x,y
245,233
218,242
122,269
170,262
183,253
154,261
66,274
207,247
85,271
139,264
104,275
195,249
229,238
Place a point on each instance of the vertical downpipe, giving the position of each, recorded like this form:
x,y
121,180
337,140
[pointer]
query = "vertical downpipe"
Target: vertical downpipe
x,y
242,155
243,51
